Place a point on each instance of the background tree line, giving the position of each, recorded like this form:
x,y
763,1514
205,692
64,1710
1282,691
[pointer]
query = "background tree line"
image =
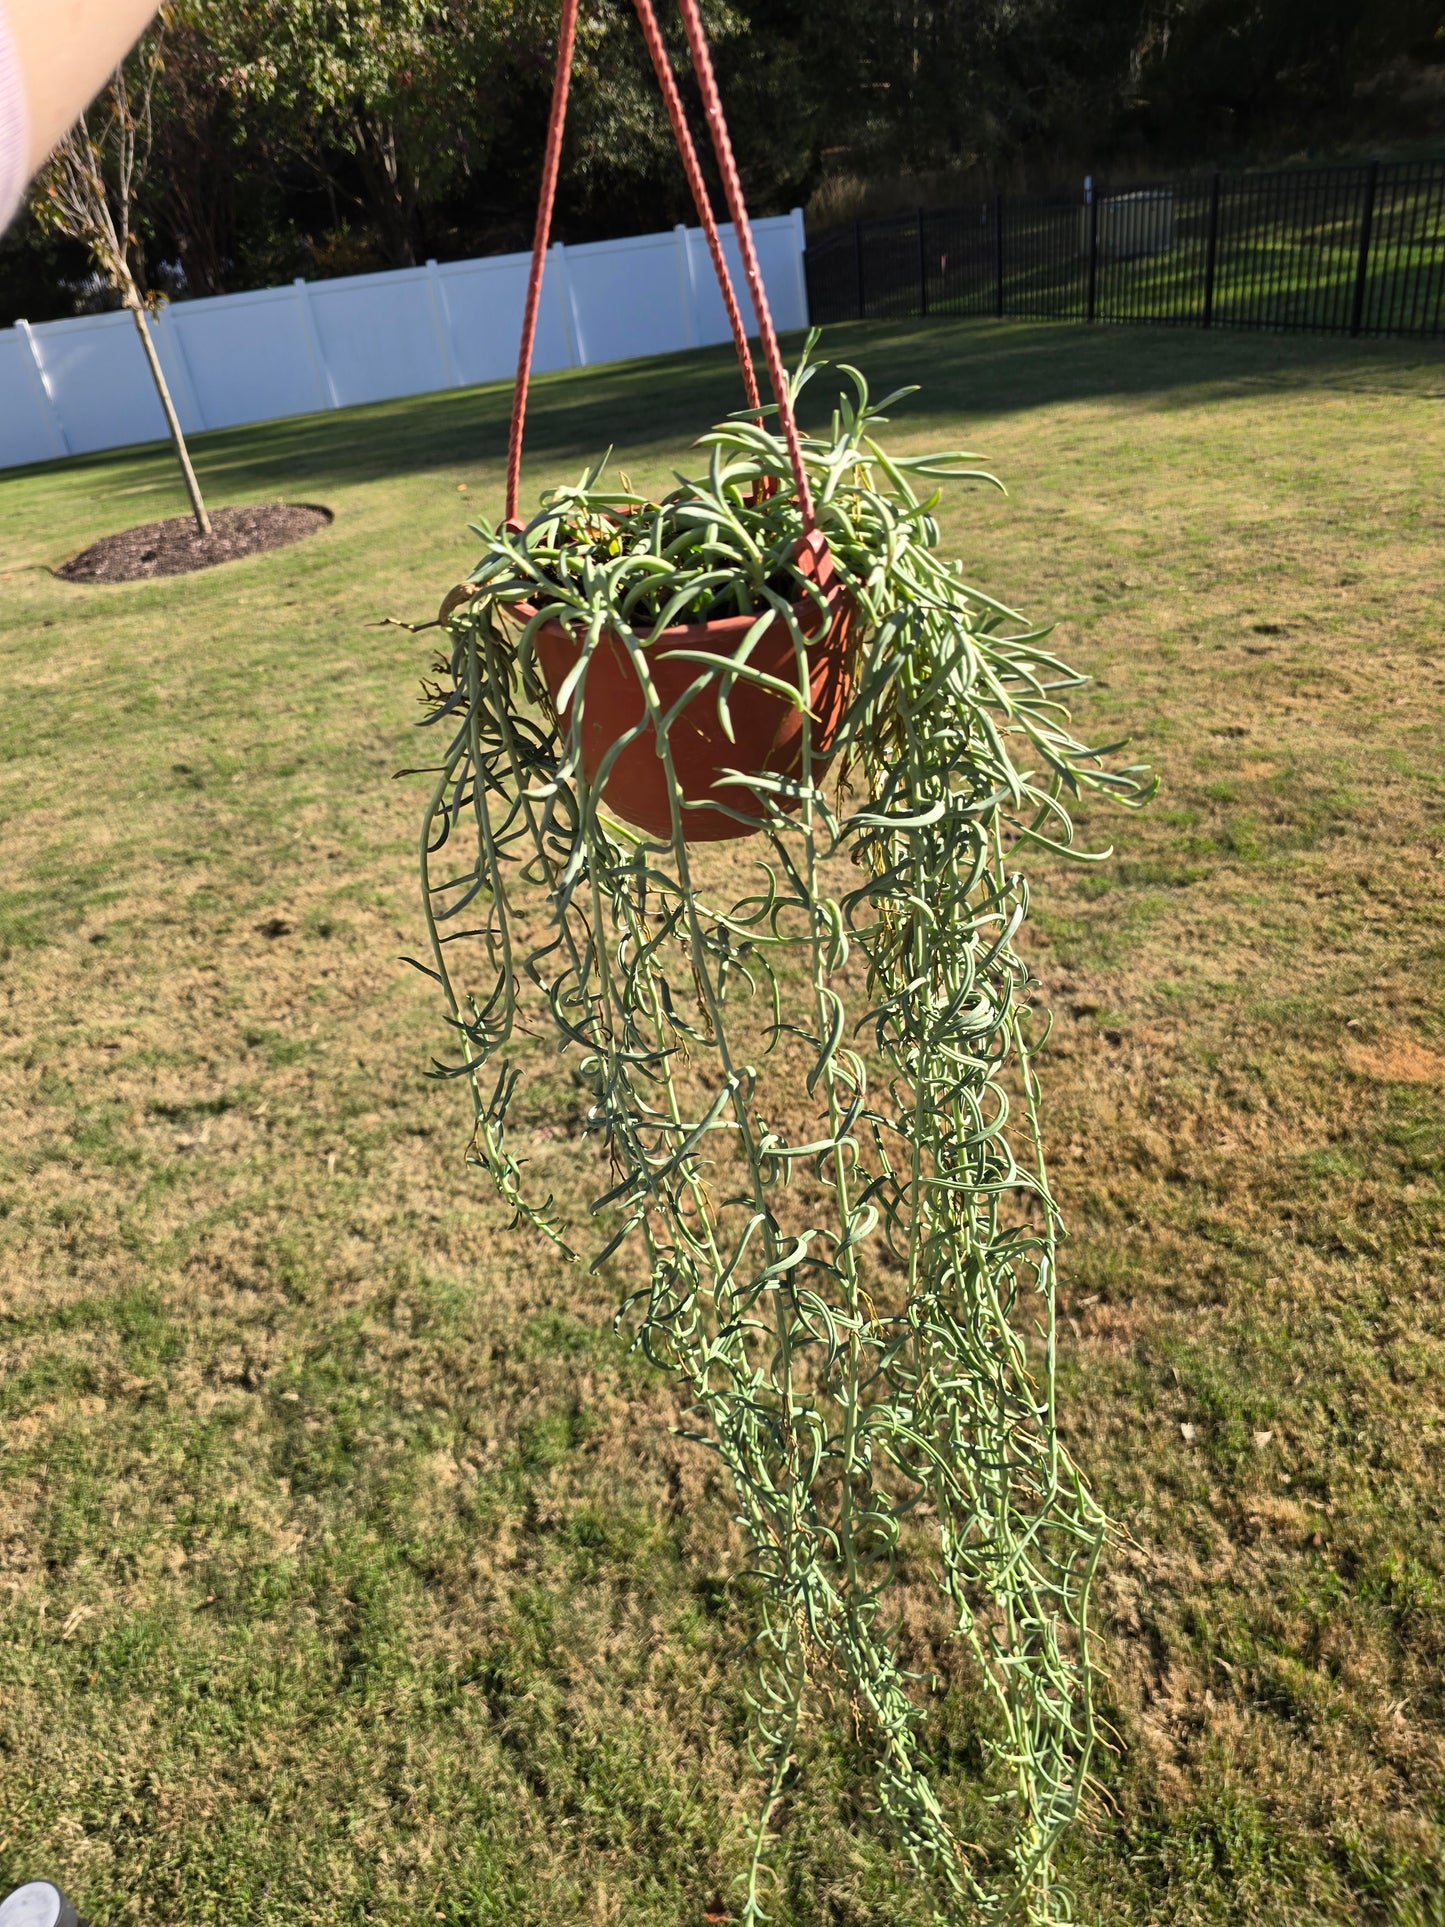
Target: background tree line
x,y
332,136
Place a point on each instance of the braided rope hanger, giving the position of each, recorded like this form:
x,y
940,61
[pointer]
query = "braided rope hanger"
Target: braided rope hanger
x,y
692,167
732,187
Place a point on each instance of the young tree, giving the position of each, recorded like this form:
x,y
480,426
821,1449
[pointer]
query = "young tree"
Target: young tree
x,y
88,191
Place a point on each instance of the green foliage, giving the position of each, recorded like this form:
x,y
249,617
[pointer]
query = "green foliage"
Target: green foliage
x,y
396,85
325,136
859,1304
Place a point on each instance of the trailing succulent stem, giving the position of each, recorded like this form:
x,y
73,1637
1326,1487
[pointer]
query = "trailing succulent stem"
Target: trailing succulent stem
x,y
859,1306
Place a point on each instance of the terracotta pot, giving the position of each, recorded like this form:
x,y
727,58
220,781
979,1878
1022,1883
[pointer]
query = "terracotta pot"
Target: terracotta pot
x,y
767,729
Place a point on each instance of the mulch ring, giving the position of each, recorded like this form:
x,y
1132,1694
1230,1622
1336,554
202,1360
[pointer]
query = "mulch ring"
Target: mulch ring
x,y
177,547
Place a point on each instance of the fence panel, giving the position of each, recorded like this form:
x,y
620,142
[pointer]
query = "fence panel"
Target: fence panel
x,y
248,356
629,298
780,242
82,385
1046,259
1405,280
960,251
482,311
1153,246
377,335
31,427
891,276
832,268
1289,250
1331,250
95,372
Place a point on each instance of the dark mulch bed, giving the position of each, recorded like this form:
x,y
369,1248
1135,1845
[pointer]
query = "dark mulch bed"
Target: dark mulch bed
x,y
177,548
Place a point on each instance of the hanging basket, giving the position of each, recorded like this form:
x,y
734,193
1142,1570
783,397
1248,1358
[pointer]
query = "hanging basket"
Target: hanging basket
x,y
764,734
700,648
767,727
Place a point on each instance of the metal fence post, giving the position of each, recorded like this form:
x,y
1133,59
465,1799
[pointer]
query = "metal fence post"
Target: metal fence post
x,y
998,251
858,265
1093,300
1362,270
1211,253
922,270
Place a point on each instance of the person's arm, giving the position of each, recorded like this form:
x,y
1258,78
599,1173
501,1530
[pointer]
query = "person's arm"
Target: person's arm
x,y
55,56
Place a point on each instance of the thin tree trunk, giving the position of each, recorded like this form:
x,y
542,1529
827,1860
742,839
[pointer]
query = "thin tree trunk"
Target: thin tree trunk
x,y
178,440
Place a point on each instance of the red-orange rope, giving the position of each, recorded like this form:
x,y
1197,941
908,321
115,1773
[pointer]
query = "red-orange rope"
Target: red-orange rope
x,y
733,188
541,233
662,67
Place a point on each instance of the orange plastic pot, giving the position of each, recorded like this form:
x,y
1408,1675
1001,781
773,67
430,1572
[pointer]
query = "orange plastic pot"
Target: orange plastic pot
x,y
767,728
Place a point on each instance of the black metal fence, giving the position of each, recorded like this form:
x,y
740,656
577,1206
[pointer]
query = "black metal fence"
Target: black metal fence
x,y
1334,250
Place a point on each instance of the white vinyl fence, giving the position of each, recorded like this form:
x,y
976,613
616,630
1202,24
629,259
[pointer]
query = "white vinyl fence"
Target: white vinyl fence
x,y
71,387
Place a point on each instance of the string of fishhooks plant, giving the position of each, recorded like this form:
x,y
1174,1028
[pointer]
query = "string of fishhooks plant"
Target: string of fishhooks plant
x,y
862,1312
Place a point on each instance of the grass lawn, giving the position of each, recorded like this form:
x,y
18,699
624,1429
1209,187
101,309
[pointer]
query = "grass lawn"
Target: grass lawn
x,y
348,1568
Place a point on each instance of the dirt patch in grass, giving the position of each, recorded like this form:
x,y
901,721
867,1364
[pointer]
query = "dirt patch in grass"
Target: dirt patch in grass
x,y
177,547
1402,1060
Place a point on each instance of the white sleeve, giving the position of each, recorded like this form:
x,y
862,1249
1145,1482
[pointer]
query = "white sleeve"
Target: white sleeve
x,y
14,125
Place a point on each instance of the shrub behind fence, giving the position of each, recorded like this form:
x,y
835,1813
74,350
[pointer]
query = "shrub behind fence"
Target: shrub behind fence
x,y
1334,250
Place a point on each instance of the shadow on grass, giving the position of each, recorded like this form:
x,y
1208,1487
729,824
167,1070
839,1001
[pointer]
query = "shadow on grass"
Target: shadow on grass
x,y
973,368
